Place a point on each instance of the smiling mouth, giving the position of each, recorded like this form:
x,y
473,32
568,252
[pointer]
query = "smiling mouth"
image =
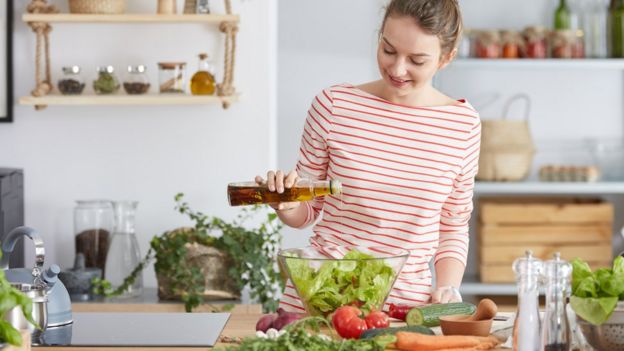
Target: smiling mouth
x,y
398,80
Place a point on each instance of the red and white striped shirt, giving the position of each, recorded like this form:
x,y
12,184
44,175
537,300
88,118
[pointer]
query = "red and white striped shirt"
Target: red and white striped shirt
x,y
407,178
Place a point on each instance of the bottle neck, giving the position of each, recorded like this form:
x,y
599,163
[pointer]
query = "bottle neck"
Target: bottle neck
x,y
204,65
125,217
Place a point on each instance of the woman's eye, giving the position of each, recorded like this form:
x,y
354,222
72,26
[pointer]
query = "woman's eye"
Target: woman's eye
x,y
388,52
417,63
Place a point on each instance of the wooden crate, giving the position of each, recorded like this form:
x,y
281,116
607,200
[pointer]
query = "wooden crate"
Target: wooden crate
x,y
574,227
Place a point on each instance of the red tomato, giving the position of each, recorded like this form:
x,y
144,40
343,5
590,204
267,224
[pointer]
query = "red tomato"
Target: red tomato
x,y
377,319
348,322
399,311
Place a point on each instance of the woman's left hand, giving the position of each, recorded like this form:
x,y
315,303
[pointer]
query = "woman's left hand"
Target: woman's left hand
x,y
446,294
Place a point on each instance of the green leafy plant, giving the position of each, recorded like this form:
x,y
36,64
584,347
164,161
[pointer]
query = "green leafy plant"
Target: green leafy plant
x,y
10,298
252,251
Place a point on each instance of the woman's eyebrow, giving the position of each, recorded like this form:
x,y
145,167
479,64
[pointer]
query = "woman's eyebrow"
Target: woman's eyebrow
x,y
420,54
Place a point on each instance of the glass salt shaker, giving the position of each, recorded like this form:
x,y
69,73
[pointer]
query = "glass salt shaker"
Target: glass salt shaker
x,y
556,332
526,330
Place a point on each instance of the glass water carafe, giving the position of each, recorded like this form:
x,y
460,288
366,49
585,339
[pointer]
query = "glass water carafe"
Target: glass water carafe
x,y
556,332
124,255
93,226
526,330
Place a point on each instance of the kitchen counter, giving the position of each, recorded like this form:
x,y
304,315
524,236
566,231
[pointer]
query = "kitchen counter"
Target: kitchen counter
x,y
240,325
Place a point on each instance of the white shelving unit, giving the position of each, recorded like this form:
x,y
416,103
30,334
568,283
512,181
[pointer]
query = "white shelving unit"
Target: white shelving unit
x,y
538,64
515,188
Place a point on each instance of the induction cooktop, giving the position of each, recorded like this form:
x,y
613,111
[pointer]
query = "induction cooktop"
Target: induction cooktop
x,y
138,329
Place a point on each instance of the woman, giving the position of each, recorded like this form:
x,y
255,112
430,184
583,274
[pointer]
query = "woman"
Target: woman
x,y
406,155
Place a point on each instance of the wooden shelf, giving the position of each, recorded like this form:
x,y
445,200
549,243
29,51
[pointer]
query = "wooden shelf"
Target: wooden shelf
x,y
129,18
483,188
539,63
121,99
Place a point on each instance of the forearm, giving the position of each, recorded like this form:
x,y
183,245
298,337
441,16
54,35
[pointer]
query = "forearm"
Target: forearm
x,y
449,272
294,217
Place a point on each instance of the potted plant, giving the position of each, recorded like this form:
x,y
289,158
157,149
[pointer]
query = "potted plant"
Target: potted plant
x,y
213,259
12,298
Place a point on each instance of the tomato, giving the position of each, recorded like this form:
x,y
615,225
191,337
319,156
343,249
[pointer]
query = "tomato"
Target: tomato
x,y
348,322
377,319
399,311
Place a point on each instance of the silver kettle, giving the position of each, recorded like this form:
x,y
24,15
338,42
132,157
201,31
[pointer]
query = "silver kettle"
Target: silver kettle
x,y
51,302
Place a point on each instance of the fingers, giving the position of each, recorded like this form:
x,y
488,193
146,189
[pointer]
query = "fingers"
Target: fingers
x,y
291,179
446,295
436,296
259,180
277,181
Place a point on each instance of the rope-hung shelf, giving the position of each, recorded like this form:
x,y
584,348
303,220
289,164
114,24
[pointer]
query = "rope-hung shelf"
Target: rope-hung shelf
x,y
40,14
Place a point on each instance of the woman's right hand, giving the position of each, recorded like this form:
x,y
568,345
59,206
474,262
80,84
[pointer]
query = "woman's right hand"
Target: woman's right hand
x,y
277,181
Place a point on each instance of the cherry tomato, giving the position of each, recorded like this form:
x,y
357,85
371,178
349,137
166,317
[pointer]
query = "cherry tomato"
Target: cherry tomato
x,y
348,322
377,319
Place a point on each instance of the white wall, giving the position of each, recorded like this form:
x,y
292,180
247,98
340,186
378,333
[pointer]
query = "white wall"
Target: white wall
x,y
334,42
143,153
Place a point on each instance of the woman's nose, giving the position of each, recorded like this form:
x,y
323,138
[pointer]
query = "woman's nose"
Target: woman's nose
x,y
398,68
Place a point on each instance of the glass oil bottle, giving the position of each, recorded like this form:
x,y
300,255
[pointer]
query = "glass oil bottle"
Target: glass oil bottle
x,y
203,81
556,328
526,329
251,193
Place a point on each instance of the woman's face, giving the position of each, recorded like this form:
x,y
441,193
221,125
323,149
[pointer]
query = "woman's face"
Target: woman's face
x,y
408,58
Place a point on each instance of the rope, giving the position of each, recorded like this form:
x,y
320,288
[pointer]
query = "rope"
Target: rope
x,y
42,31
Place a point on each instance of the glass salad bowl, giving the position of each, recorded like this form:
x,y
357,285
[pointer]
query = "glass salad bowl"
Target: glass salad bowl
x,y
330,277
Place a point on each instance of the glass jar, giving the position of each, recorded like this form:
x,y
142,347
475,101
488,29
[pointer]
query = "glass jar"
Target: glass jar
x,y
595,28
562,44
106,82
124,255
578,50
203,7
465,45
535,43
511,43
203,81
136,81
488,44
93,225
71,82
172,77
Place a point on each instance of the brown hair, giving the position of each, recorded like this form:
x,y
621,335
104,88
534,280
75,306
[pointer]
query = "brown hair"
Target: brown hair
x,y
436,17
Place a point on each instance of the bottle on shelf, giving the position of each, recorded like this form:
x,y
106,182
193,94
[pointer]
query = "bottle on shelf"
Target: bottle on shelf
x,y
595,28
556,328
616,29
203,81
526,329
563,16
251,193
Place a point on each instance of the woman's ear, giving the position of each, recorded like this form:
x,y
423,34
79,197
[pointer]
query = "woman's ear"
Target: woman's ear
x,y
447,58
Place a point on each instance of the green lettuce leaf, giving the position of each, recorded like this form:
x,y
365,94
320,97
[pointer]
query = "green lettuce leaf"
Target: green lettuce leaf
x,y
594,310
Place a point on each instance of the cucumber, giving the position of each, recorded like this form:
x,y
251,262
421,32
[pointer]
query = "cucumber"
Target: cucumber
x,y
429,315
372,333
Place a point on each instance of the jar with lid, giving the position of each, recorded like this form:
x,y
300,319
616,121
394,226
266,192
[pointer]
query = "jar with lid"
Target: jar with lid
x,y
93,225
71,82
488,44
535,43
136,81
106,82
172,77
511,43
203,81
562,44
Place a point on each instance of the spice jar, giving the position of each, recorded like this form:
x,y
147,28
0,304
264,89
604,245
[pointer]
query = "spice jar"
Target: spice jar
x,y
71,83
106,82
465,47
171,77
578,50
93,225
562,44
136,81
488,44
511,42
534,42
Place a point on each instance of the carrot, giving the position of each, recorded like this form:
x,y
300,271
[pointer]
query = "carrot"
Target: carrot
x,y
487,343
407,341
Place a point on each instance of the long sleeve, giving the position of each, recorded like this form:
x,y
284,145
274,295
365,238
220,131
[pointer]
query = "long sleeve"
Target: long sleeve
x,y
458,207
313,152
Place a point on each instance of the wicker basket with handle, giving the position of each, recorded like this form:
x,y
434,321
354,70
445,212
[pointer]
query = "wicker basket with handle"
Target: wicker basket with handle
x,y
507,148
108,7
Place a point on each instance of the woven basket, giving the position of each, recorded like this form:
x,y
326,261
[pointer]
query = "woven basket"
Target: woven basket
x,y
108,7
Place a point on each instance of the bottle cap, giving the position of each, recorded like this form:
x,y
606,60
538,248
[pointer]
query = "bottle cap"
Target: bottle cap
x,y
107,69
203,56
71,69
335,187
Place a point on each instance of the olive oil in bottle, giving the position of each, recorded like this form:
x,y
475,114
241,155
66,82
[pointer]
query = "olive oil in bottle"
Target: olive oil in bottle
x,y
203,81
251,193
